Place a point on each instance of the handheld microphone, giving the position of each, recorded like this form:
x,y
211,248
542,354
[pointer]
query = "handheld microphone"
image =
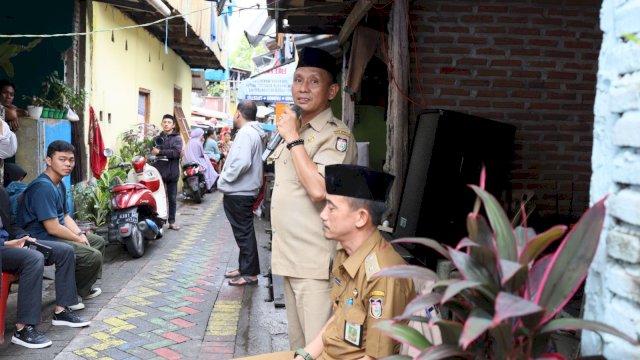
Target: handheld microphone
x,y
277,138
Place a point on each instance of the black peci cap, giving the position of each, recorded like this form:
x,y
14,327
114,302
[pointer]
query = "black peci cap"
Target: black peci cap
x,y
314,57
358,182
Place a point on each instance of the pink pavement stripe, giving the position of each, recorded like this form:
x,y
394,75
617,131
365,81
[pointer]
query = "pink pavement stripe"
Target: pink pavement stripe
x,y
188,310
175,337
193,299
182,323
218,348
167,354
203,282
198,290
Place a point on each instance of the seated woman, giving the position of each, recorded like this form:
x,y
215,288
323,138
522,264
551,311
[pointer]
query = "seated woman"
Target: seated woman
x,y
194,153
11,112
211,144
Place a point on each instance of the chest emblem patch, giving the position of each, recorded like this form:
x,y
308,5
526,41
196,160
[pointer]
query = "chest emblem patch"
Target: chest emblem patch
x,y
375,307
342,144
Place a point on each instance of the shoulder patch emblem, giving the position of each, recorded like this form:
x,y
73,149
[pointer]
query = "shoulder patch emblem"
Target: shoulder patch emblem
x,y
342,132
371,265
342,144
375,307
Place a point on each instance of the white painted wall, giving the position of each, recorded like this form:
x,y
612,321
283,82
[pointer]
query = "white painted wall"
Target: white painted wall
x,y
613,285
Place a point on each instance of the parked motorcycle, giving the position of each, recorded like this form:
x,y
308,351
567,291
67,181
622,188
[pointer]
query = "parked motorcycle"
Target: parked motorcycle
x,y
194,185
138,207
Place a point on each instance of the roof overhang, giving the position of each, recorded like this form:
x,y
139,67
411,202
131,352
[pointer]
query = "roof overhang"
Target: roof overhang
x,y
338,17
188,46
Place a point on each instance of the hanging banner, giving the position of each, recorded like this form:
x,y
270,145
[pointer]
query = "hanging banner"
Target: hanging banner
x,y
271,86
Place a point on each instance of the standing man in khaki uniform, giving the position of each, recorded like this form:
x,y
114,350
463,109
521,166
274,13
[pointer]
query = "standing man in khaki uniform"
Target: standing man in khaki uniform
x,y
354,207
300,252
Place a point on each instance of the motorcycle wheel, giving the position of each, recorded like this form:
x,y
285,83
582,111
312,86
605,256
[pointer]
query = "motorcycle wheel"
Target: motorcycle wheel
x,y
197,196
135,243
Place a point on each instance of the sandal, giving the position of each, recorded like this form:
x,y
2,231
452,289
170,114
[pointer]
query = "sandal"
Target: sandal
x,y
242,281
175,227
232,274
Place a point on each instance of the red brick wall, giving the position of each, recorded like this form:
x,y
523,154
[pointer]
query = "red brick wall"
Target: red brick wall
x,y
529,63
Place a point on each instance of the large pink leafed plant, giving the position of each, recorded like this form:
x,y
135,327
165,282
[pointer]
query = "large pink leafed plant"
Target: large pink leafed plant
x,y
504,304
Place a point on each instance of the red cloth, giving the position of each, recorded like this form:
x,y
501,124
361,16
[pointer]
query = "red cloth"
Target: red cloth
x,y
97,160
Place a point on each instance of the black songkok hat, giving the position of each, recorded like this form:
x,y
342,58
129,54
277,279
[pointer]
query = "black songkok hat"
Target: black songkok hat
x,y
357,182
314,57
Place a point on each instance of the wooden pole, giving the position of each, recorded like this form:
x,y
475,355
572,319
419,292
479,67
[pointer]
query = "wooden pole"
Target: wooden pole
x,y
348,104
397,111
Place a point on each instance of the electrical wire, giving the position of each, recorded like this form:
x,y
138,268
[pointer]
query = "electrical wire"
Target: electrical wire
x,y
182,15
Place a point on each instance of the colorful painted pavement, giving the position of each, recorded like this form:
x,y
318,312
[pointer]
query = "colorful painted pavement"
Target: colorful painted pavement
x,y
178,306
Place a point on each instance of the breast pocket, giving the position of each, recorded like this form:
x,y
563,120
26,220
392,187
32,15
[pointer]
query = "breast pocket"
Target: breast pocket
x,y
354,326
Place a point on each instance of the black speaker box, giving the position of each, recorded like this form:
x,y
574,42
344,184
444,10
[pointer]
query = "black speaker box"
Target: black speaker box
x,y
448,152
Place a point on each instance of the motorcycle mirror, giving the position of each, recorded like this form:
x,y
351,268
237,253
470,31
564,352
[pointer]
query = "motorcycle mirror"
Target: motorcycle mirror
x,y
108,152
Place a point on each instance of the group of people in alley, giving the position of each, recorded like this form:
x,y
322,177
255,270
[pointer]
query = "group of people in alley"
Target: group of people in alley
x,y
324,216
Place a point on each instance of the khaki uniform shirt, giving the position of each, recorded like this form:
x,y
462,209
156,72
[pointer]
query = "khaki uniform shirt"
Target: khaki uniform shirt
x,y
299,248
360,302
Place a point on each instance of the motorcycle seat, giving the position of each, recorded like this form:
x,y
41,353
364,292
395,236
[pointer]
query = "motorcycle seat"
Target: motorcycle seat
x,y
128,187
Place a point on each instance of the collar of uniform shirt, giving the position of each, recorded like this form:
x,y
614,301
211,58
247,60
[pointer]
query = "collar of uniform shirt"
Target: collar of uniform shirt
x,y
353,262
321,119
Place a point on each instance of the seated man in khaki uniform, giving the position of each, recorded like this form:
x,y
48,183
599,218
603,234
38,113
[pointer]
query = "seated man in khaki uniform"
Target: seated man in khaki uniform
x,y
354,207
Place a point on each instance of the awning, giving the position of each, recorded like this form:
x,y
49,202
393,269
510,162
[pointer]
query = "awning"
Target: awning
x,y
182,37
200,111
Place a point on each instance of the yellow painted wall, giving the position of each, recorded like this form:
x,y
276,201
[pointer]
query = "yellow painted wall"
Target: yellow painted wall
x,y
125,61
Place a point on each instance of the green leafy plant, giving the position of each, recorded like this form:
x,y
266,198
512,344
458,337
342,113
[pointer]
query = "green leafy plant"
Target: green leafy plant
x,y
34,100
59,95
504,304
92,198
137,141
9,50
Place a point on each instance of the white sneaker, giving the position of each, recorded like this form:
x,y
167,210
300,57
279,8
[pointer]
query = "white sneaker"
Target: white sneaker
x,y
76,307
94,293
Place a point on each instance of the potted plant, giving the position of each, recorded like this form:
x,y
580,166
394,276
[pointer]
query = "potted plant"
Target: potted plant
x,y
61,96
504,301
36,107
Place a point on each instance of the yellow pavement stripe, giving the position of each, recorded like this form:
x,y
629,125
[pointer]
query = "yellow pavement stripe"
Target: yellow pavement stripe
x,y
86,353
117,325
224,318
107,341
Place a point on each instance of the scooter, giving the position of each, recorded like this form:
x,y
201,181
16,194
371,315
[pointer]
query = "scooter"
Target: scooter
x,y
138,207
194,185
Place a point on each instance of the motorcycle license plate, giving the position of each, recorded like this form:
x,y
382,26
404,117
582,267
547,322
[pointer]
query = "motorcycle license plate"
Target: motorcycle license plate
x,y
126,217
193,180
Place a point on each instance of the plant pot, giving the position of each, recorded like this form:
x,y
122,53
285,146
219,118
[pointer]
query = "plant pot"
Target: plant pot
x,y
58,114
45,113
34,111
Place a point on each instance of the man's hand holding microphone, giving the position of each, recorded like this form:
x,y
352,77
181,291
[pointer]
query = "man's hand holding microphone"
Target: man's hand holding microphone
x,y
287,128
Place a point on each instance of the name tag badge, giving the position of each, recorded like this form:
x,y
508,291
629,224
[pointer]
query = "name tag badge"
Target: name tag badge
x,y
353,333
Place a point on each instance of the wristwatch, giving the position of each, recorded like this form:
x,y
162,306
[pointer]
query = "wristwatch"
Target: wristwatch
x,y
302,352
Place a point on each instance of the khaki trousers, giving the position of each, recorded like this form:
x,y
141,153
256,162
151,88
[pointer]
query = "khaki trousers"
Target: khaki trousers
x,y
308,303
88,262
